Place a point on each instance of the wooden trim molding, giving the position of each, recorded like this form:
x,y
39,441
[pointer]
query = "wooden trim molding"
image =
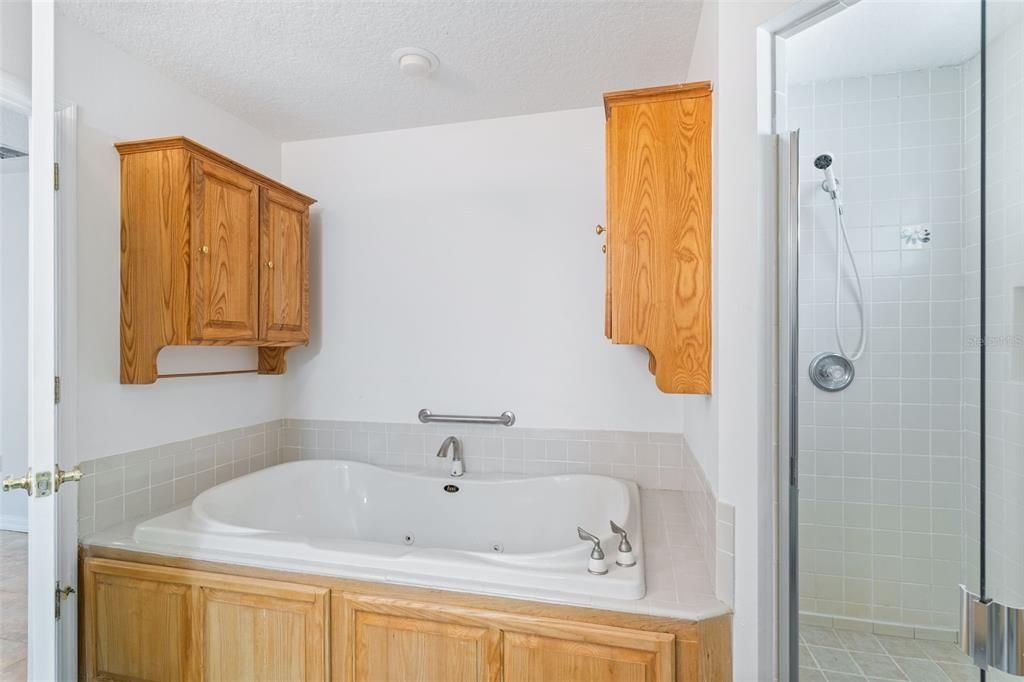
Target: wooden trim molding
x,y
656,94
181,142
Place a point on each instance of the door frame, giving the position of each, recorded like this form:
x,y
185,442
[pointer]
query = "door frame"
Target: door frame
x,y
784,434
15,93
66,359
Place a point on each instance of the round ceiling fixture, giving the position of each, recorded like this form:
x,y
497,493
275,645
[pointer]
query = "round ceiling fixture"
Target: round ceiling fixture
x,y
414,61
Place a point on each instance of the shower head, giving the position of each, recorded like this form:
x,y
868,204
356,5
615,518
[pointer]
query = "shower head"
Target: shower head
x,y
823,162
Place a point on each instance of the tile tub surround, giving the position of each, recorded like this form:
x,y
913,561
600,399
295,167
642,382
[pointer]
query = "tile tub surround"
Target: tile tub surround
x,y
654,460
146,482
133,484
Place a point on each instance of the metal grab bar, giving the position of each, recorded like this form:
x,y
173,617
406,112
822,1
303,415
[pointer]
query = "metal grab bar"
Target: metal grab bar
x,y
505,418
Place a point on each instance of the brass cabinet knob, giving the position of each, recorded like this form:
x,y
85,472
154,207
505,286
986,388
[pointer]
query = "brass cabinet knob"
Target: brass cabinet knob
x,y
604,248
270,264
600,230
204,249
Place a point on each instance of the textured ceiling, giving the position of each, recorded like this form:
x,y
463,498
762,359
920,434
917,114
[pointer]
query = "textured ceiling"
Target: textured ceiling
x,y
301,70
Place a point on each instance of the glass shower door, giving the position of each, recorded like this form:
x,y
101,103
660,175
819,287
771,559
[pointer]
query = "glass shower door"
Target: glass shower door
x,y
1000,202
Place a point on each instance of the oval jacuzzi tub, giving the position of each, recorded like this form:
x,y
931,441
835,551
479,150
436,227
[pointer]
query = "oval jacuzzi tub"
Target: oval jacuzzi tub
x,y
480,533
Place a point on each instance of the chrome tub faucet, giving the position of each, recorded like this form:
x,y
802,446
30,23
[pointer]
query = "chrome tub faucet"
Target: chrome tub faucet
x,y
453,443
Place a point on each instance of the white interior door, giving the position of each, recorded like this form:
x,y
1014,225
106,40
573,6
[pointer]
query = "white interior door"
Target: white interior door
x,y
42,512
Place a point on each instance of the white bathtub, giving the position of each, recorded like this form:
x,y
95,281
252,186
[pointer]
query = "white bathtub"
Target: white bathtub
x,y
482,533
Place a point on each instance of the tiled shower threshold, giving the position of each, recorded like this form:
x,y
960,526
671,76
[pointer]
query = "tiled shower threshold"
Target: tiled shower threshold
x,y
887,629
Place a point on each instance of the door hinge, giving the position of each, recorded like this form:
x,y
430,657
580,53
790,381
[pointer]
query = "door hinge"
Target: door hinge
x,y
990,633
56,390
60,594
56,176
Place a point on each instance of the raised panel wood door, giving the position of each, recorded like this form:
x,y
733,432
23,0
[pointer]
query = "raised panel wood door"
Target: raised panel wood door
x,y
137,624
659,230
380,639
224,253
595,654
284,275
262,631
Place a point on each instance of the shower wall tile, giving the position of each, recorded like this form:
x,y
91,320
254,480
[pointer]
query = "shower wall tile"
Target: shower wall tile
x,y
881,466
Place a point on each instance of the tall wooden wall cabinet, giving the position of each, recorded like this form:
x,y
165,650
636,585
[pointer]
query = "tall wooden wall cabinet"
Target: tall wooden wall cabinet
x,y
212,253
658,291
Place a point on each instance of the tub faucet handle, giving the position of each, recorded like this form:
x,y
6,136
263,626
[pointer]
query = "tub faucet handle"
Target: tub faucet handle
x,y
596,565
625,558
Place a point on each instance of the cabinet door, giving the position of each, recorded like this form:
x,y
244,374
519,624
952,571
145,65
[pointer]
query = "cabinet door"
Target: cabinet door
x,y
224,252
380,639
659,231
284,276
569,652
137,624
262,631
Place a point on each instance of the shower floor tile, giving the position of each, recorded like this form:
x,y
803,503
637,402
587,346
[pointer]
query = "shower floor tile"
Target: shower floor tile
x,y
829,655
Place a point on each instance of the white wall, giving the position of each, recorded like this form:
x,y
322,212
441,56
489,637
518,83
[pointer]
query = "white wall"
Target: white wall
x,y
457,269
121,99
732,429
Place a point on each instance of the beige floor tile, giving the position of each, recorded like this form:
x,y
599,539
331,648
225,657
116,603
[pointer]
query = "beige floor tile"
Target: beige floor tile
x,y
811,675
921,670
11,651
835,660
878,665
15,672
860,641
943,651
821,637
959,672
902,647
843,677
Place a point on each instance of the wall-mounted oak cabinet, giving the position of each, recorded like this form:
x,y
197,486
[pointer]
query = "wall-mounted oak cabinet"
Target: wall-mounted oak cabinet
x,y
212,253
658,289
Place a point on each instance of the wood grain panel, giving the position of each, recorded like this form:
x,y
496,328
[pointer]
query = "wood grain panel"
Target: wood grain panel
x,y
137,627
428,630
386,640
659,230
262,633
158,144
225,238
155,229
284,269
529,658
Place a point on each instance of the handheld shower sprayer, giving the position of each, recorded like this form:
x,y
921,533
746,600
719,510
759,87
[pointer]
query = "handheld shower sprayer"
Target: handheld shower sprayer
x,y
823,162
830,185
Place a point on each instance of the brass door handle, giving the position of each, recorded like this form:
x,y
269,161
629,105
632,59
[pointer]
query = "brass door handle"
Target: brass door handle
x,y
204,249
270,264
74,475
600,230
604,248
22,483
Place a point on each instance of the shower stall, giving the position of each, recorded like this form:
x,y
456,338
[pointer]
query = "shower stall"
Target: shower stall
x,y
901,301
